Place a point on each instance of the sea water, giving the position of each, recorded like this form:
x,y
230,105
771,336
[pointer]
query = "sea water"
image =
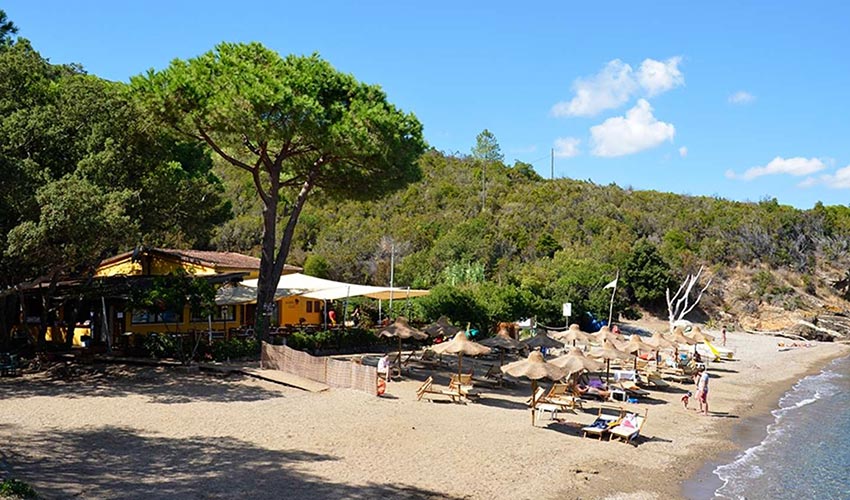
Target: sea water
x,y
806,454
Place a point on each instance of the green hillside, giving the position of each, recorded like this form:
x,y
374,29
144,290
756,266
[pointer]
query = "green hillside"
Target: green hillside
x,y
533,243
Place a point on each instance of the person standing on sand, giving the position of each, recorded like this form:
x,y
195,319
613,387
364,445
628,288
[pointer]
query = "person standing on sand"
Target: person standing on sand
x,y
702,390
723,336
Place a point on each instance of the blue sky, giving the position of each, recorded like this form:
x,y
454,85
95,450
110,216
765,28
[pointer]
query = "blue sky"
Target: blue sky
x,y
729,99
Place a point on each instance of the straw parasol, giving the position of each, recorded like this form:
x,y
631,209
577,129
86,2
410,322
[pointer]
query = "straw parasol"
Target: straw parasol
x,y
609,351
573,334
679,337
575,361
441,327
658,343
605,333
402,330
460,345
635,346
503,342
542,339
698,335
535,368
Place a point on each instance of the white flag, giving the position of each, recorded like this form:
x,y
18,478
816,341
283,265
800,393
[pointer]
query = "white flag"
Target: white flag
x,y
610,285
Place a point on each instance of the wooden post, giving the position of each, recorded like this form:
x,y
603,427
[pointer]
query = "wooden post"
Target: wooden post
x,y
533,402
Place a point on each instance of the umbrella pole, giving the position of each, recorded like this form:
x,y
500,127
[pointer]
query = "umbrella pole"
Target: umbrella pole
x,y
607,370
399,356
459,365
501,362
533,402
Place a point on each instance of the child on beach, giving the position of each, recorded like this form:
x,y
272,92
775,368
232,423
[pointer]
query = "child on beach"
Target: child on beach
x,y
685,398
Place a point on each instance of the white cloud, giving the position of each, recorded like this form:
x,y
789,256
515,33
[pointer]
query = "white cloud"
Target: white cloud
x,y
796,166
656,77
608,89
683,151
566,147
624,135
839,180
617,83
741,97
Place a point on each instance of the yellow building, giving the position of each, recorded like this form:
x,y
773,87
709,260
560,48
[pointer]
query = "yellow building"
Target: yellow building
x,y
160,262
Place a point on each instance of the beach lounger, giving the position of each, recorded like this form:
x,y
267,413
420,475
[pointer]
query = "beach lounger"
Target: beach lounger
x,y
629,427
564,394
631,389
462,384
604,421
542,404
428,388
654,379
540,394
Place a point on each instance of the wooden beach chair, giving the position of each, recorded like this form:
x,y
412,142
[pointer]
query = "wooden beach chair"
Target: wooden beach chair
x,y
428,388
629,427
564,394
655,380
604,422
463,385
631,389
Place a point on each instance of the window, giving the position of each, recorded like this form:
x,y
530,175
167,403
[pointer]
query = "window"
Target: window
x,y
309,306
220,313
143,317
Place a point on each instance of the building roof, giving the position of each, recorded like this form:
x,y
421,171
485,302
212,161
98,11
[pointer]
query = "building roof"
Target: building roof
x,y
207,258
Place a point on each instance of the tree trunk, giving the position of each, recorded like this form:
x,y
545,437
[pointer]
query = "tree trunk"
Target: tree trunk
x,y
267,280
4,329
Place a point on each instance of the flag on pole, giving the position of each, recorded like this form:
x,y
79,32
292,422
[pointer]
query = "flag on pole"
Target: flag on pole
x,y
611,285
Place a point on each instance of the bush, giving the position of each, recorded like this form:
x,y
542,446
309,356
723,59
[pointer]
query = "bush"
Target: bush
x,y
16,488
356,338
235,349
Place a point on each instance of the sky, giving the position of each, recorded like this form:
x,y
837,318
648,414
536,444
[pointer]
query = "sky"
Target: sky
x,y
738,100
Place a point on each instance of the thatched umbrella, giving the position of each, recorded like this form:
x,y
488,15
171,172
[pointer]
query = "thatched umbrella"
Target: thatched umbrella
x,y
441,327
542,339
679,337
635,346
698,335
503,342
658,343
575,361
535,368
402,330
460,345
573,334
609,351
605,333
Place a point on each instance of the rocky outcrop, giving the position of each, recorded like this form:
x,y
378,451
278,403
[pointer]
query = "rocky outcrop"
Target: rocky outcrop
x,y
824,328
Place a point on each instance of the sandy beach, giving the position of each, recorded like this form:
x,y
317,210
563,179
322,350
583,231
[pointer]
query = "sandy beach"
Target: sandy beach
x,y
128,432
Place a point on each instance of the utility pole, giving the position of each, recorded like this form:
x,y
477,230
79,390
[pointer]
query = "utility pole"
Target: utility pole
x,y
552,176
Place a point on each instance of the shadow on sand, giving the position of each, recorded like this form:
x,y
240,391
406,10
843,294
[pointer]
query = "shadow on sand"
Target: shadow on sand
x,y
160,384
116,462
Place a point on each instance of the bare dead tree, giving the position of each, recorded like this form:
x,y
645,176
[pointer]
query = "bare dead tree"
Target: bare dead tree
x,y
680,304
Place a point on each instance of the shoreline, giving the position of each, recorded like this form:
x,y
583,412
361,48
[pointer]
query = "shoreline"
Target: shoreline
x,y
749,432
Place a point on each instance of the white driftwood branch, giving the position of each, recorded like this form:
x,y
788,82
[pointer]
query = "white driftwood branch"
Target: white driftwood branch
x,y
679,304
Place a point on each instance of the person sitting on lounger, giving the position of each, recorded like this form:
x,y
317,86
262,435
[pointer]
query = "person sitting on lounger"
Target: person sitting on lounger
x,y
589,390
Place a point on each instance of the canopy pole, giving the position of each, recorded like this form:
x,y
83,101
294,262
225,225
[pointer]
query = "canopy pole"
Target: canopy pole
x,y
392,276
345,307
613,292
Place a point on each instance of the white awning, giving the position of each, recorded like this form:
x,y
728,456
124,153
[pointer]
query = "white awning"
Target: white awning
x,y
312,288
